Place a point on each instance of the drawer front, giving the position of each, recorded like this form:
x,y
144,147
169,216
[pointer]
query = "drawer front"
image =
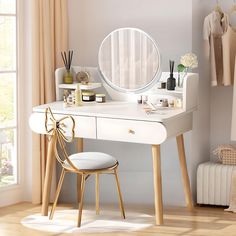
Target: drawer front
x,y
85,126
131,131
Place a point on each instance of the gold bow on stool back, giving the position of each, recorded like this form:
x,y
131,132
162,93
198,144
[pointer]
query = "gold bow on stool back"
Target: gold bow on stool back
x,y
63,131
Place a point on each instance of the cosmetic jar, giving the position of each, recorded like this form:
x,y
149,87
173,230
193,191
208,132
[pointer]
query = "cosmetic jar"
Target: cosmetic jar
x,y
88,96
171,103
163,85
162,103
178,103
100,98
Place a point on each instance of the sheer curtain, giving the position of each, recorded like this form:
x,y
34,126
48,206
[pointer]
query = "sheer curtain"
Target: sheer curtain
x,y
50,37
129,59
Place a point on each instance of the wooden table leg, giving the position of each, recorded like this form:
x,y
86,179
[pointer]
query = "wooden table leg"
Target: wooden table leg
x,y
80,148
156,154
80,145
185,177
48,175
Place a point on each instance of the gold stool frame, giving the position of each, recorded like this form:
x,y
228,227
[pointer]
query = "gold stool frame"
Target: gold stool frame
x,y
56,129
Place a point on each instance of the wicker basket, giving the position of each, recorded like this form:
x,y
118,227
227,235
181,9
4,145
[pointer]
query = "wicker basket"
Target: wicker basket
x,y
226,154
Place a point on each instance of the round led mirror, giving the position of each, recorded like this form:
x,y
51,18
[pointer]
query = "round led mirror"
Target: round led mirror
x,y
129,60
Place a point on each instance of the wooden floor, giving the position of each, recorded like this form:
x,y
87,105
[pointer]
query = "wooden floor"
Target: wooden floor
x,y
204,221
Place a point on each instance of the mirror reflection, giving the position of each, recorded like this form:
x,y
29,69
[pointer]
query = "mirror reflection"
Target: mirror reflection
x,y
129,59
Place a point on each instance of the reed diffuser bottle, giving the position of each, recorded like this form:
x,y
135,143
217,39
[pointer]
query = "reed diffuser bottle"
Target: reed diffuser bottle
x,y
171,81
68,76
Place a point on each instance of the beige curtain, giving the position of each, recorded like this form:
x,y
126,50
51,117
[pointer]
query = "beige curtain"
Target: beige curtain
x,y
50,37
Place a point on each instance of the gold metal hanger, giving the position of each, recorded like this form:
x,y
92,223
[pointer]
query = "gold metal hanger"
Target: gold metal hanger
x,y
218,8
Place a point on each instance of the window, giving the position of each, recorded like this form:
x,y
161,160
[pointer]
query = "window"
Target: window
x,y
8,93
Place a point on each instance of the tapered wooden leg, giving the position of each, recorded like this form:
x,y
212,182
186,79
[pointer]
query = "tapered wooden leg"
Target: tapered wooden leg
x,y
97,192
185,177
79,187
79,149
156,154
119,194
57,194
81,201
48,175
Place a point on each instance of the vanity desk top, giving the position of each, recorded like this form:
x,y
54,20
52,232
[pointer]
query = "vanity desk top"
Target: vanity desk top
x,y
114,109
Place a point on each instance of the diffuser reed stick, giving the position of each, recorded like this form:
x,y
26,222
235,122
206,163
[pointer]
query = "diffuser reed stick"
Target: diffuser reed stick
x,y
67,59
172,65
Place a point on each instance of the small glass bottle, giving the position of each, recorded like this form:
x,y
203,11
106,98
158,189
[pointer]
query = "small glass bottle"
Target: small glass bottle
x,y
78,96
65,102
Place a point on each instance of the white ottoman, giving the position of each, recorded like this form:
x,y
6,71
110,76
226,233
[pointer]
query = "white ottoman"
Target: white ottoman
x,y
213,183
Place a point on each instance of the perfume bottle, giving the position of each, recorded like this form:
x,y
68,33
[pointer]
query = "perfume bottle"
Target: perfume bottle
x,y
78,96
171,81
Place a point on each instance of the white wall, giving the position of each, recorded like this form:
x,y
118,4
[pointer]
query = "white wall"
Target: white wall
x,y
91,21
171,24
219,98
201,131
221,111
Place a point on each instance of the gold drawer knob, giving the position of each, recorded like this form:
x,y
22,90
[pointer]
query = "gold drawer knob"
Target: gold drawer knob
x,y
131,131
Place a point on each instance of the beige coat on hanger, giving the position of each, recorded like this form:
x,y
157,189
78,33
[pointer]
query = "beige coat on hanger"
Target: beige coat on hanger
x,y
213,29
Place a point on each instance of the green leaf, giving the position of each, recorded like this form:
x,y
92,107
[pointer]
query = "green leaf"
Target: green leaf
x,y
181,68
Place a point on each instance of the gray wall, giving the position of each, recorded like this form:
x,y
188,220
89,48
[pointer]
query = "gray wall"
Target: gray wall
x,y
221,103
201,127
219,98
176,26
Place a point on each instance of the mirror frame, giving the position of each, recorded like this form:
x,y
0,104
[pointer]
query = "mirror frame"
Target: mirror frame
x,y
156,76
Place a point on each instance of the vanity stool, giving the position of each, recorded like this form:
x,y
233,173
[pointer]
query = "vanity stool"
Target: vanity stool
x,y
83,164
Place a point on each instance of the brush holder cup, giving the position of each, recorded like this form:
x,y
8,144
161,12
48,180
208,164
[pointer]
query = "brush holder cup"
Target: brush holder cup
x,y
68,77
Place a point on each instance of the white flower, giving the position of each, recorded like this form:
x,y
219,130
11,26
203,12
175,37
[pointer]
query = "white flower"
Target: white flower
x,y
189,60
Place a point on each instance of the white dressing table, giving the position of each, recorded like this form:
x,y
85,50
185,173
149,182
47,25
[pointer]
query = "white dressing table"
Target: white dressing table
x,y
126,121
122,121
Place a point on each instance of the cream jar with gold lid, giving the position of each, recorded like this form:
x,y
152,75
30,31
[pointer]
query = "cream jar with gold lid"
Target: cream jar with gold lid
x,y
88,96
100,98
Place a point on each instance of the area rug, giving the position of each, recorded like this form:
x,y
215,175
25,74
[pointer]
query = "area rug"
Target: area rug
x,y
65,221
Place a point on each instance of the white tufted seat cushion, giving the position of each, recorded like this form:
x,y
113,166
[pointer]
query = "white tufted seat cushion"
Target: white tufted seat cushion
x,y
91,161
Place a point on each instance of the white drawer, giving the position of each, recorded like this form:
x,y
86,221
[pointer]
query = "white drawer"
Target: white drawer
x,y
85,126
131,131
